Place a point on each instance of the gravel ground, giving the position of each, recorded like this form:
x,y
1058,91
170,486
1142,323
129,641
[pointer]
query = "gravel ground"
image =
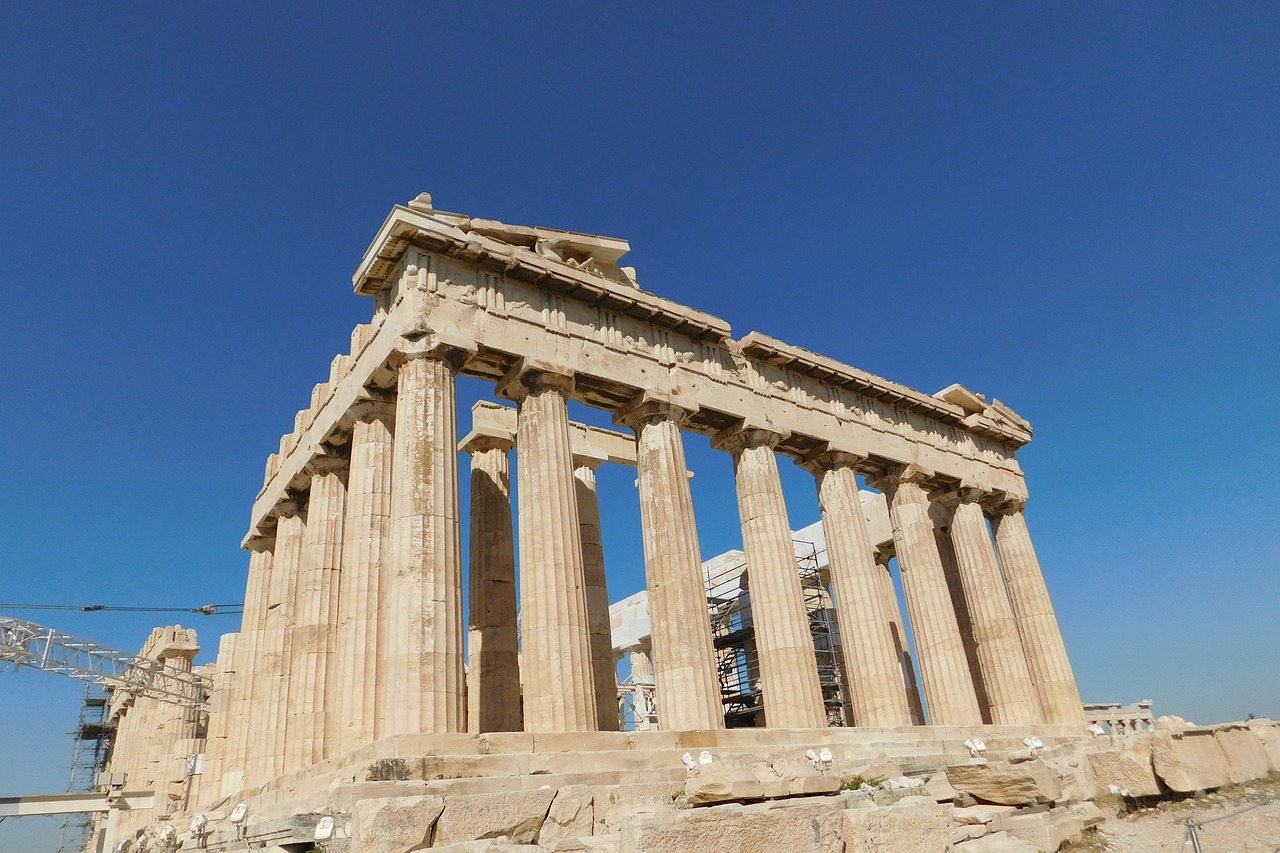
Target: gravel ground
x,y
1163,828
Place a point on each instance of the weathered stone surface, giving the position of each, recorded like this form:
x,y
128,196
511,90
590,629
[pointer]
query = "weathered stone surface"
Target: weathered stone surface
x,y
1046,831
757,828
939,788
1189,761
1024,783
720,784
572,815
611,811
517,814
1075,775
1127,767
996,842
394,824
897,828
1268,732
1089,814
1246,757
980,814
881,769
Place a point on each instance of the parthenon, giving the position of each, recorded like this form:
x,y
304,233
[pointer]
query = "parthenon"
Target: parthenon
x,y
354,633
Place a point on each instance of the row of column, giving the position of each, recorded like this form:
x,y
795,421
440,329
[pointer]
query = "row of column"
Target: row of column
x,y
354,624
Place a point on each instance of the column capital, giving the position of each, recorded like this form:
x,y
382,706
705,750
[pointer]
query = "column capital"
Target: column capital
x,y
528,377
1007,505
477,442
745,436
644,410
327,460
430,345
896,475
369,410
260,542
827,458
287,508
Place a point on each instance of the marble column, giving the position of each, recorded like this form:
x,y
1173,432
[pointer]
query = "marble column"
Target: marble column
x,y
559,690
603,674
684,656
365,563
493,671
878,695
1038,626
788,666
948,687
274,661
1009,689
423,689
316,612
906,663
955,586
253,681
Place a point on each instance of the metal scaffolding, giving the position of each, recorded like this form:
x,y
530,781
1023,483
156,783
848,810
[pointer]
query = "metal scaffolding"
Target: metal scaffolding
x,y
24,643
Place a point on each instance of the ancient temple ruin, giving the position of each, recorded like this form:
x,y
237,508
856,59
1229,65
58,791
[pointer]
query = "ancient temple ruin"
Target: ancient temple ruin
x,y
355,647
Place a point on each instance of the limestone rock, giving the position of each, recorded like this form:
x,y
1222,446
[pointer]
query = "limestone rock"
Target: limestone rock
x,y
803,778
1075,775
996,842
1127,768
1268,732
394,824
1171,723
718,783
572,815
1189,761
610,812
1047,830
1024,783
516,814
1247,758
757,828
881,769
980,814
939,788
1089,814
902,830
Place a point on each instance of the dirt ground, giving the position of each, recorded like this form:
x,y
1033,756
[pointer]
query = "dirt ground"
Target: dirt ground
x,y
1163,826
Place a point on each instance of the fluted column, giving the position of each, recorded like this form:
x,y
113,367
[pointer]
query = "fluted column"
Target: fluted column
x,y
906,663
253,682
316,612
879,697
365,562
1038,626
603,674
275,659
788,666
948,687
423,688
684,656
559,691
493,671
955,586
1003,662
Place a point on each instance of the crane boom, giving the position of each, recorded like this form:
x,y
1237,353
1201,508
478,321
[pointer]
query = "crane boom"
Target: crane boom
x,y
24,643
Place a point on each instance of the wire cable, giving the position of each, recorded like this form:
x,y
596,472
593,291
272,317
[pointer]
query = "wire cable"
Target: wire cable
x,y
205,609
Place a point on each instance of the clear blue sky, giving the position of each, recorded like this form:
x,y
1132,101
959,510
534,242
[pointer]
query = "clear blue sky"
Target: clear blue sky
x,y
1071,207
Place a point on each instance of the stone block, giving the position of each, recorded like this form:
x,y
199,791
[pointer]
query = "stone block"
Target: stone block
x,y
996,842
1089,814
718,783
572,815
980,814
1075,775
900,829
1047,831
1189,761
1268,732
880,769
1023,783
756,828
518,815
772,785
1246,757
611,810
939,788
394,824
1127,767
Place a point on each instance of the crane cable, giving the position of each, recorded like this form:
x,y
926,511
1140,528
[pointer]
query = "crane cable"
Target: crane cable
x,y
205,610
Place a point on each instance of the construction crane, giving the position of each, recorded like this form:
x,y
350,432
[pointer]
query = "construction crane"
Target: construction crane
x,y
29,644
